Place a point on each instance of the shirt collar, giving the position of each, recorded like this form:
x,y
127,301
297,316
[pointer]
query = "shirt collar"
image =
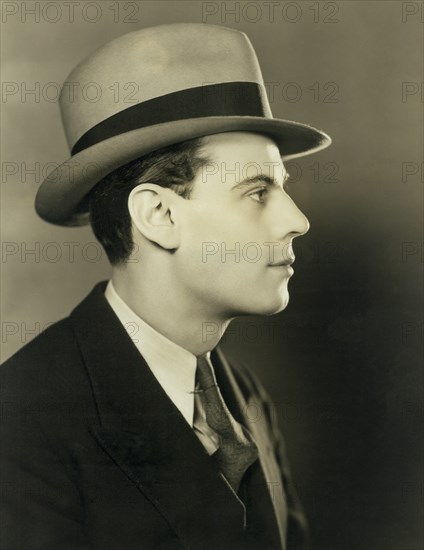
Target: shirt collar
x,y
173,366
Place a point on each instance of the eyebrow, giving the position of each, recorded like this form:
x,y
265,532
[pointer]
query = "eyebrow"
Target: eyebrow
x,y
260,178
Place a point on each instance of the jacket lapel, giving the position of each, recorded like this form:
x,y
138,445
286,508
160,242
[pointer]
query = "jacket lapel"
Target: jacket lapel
x,y
148,438
268,496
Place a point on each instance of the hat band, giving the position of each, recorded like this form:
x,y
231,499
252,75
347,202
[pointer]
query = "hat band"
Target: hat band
x,y
224,99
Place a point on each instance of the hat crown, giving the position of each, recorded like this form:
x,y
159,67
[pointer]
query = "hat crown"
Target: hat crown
x,y
150,89
150,63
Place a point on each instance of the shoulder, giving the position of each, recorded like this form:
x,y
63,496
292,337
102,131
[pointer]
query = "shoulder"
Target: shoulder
x,y
55,352
47,364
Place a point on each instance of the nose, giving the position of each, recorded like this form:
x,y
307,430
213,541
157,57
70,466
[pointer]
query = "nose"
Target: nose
x,y
290,219
303,222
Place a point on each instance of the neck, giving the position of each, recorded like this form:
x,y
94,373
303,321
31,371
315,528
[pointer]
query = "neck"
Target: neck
x,y
181,319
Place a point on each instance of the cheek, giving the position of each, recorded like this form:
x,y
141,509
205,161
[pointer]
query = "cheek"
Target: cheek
x,y
205,230
211,235
227,224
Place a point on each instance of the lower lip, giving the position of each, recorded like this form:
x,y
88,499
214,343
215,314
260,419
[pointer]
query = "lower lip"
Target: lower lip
x,y
287,268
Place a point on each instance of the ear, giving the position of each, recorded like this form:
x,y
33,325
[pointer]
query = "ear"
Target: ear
x,y
152,210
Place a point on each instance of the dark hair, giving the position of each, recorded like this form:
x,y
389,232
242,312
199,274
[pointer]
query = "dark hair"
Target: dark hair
x,y
174,167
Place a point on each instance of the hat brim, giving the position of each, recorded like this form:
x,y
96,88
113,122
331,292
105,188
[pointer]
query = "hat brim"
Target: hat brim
x,y
59,196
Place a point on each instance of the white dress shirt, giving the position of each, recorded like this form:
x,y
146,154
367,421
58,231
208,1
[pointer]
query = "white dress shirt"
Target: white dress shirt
x,y
173,366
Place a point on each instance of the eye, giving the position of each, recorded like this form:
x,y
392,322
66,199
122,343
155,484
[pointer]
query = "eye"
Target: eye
x,y
263,191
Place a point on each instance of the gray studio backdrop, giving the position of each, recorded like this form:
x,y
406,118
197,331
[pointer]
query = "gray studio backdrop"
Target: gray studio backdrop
x,y
342,363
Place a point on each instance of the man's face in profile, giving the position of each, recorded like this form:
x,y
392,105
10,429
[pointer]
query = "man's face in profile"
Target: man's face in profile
x,y
232,230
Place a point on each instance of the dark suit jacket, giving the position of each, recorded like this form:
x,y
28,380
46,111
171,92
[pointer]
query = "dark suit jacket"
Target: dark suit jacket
x,y
96,456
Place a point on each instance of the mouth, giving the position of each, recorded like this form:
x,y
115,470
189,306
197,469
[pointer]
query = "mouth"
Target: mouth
x,y
284,266
285,263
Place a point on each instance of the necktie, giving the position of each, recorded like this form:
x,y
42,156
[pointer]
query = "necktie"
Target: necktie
x,y
237,450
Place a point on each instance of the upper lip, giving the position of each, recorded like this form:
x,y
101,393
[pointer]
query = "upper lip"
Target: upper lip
x,y
289,261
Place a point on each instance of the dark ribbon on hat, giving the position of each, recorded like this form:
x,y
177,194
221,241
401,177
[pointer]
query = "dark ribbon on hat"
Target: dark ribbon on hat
x,y
225,99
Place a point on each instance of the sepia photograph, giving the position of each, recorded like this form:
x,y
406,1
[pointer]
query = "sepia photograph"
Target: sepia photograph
x,y
212,275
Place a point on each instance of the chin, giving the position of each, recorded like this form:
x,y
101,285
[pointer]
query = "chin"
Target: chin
x,y
278,307
266,306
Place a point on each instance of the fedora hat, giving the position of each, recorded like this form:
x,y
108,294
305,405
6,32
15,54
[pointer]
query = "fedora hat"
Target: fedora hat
x,y
153,88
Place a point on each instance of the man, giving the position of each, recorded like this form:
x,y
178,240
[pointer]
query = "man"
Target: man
x,y
125,426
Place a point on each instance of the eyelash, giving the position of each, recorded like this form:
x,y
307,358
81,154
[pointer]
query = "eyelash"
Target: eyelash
x,y
261,190
266,190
